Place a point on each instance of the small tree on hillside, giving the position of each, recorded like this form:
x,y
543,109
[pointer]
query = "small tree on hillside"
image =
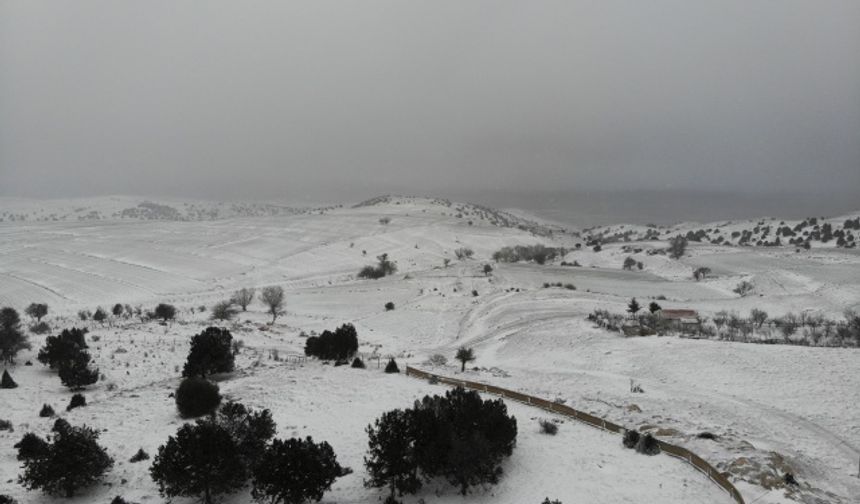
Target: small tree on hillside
x,y
210,353
223,311
118,310
677,247
701,273
71,461
653,307
758,317
295,471
37,311
463,253
12,339
243,297
201,460
273,297
464,355
743,288
165,311
633,307
629,263
488,269
100,315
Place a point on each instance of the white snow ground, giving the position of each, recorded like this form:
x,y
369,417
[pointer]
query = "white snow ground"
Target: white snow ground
x,y
774,407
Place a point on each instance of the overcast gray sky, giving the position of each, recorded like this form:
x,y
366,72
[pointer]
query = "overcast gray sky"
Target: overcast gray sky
x,y
269,99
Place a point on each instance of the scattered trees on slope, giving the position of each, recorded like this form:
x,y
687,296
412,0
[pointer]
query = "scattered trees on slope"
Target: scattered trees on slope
x,y
383,268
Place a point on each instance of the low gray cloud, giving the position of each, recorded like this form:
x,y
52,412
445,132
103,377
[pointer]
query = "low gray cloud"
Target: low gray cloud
x,y
272,99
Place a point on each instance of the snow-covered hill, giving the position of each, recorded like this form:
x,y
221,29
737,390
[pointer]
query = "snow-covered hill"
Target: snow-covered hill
x,y
774,408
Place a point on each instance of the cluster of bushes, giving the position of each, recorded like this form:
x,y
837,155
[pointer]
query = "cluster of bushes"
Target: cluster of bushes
x,y
67,353
630,263
339,345
539,254
459,437
219,454
646,444
384,267
568,286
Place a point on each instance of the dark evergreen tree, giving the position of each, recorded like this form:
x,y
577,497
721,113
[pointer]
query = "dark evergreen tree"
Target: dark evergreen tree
x,y
458,437
338,345
100,315
202,460
140,456
648,445
31,446
653,307
12,339
631,438
295,471
76,372
73,460
77,401
118,310
210,353
390,460
197,397
165,311
357,363
391,367
633,306
249,429
6,382
47,411
62,347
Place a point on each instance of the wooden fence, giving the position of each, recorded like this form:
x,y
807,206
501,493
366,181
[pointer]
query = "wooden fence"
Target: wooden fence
x,y
676,451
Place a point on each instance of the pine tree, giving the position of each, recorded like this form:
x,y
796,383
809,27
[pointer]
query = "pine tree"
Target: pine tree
x,y
63,347
250,429
295,471
76,373
197,397
391,456
633,306
7,382
12,339
210,353
201,460
72,460
391,367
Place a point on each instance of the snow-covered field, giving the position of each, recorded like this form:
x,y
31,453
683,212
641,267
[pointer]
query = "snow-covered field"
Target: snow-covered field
x,y
774,408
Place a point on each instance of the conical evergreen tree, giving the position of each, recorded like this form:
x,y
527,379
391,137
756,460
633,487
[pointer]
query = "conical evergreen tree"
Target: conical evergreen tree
x,y
7,382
